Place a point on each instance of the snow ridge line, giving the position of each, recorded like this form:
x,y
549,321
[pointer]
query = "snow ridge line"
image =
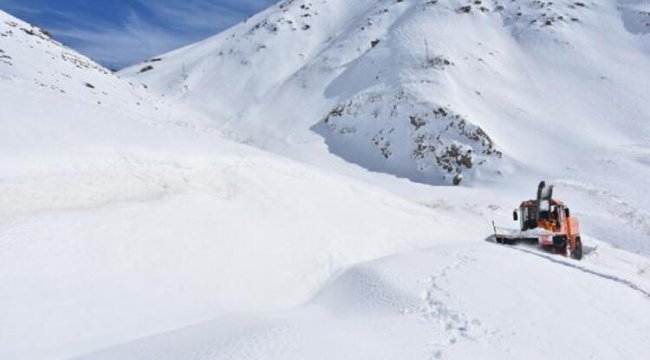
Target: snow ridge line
x,y
619,280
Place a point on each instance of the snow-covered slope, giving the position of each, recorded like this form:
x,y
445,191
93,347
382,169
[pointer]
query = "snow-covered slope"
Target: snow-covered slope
x,y
29,58
126,216
485,93
451,302
429,90
121,217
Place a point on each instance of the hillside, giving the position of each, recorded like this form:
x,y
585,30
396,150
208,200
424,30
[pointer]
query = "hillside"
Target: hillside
x,y
122,217
283,190
492,94
428,90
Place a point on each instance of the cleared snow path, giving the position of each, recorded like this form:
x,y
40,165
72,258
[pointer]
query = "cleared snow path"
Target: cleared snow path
x,y
581,266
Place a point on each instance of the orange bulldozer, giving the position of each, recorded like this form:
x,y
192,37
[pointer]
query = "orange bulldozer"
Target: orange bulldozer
x,y
547,222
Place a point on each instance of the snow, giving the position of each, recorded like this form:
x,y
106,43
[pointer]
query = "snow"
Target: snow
x,y
451,302
505,73
206,208
111,217
565,102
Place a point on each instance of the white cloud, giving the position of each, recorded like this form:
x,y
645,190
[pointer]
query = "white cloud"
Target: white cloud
x,y
133,41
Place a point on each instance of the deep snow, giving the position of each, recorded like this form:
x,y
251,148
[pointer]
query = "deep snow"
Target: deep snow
x,y
449,302
133,226
113,214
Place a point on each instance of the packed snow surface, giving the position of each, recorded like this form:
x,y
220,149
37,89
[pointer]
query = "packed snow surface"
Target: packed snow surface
x,y
283,190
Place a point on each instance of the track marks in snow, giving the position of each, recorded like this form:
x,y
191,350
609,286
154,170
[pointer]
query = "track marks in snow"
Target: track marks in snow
x,y
372,290
430,311
576,265
448,325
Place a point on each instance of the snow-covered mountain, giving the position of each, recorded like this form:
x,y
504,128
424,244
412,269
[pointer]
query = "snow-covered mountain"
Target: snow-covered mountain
x,y
434,91
439,92
132,226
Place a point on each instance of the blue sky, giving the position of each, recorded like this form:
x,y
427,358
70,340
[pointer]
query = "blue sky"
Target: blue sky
x,y
117,33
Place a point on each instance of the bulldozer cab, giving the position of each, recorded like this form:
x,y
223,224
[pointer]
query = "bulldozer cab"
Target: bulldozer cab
x,y
543,211
531,217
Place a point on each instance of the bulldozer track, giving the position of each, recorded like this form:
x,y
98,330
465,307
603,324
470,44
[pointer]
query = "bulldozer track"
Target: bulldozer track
x,y
619,280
